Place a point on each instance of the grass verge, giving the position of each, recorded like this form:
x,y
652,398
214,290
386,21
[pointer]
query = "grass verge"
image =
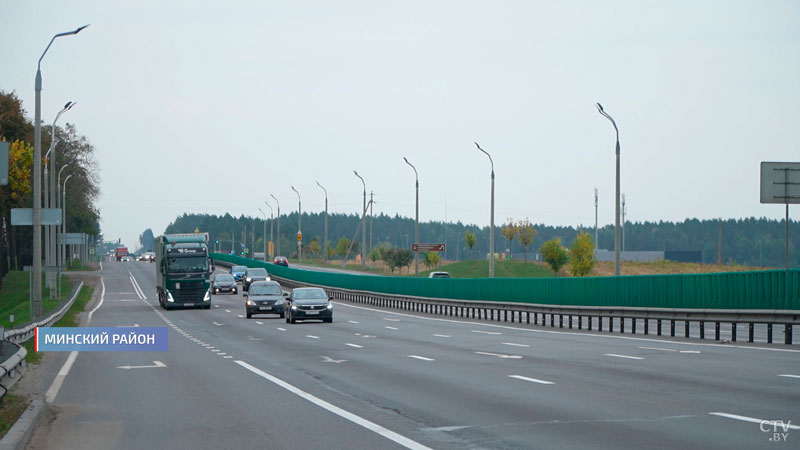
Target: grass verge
x,y
13,406
14,298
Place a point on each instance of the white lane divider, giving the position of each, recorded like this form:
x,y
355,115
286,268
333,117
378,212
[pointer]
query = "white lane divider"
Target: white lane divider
x,y
282,329
499,355
156,364
391,320
260,323
623,356
240,316
485,332
218,324
787,375
532,380
385,432
771,423
216,306
352,321
355,345
421,357
312,336
52,392
443,335
392,328
227,310
659,348
515,345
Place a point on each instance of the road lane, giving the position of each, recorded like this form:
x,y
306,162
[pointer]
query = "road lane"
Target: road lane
x,y
435,381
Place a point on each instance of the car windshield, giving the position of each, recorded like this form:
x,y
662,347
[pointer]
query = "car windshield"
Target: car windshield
x,y
238,268
188,264
223,277
269,289
256,273
309,294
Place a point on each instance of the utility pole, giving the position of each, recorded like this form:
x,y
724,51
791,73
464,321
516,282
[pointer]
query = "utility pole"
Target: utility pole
x,y
595,220
371,216
278,240
624,212
719,246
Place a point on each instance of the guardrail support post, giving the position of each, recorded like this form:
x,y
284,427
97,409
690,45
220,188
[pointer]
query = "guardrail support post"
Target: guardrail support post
x,y
600,323
589,319
787,330
529,317
646,326
622,325
716,331
580,322
686,328
672,328
750,332
769,333
658,327
570,321
552,320
633,325
734,326
560,321
610,324
702,330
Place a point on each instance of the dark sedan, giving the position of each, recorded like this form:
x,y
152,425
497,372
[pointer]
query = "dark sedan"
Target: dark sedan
x,y
309,304
223,282
264,297
281,261
254,274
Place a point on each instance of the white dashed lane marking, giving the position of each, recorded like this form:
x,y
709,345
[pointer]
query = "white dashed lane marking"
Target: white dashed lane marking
x,y
421,357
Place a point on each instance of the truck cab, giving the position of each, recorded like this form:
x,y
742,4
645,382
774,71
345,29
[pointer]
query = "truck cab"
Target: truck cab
x,y
182,271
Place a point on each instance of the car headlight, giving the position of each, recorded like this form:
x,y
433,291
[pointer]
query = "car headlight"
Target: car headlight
x,y
294,307
207,297
250,303
330,305
169,297
268,279
278,302
249,279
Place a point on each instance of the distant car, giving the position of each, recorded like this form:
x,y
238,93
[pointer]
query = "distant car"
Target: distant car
x,y
310,303
281,261
125,259
224,282
238,272
265,297
439,275
254,274
150,256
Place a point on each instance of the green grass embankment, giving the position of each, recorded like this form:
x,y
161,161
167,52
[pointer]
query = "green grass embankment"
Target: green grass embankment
x,y
15,297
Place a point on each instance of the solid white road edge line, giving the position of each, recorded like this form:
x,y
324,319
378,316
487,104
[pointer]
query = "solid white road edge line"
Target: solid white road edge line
x,y
421,357
753,420
575,334
52,392
388,434
622,356
532,380
789,375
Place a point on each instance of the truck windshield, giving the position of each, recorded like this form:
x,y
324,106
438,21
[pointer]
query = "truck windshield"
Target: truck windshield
x,y
188,264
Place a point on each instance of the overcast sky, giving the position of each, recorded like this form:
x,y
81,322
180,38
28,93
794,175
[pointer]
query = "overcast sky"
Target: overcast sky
x,y
209,106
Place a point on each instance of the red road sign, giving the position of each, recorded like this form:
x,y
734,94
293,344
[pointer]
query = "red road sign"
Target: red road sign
x,y
427,247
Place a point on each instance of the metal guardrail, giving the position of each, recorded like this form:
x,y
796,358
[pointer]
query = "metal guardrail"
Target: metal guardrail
x,y
588,318
22,334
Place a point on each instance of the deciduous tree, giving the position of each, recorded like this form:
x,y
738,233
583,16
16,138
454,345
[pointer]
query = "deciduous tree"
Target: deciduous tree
x,y
581,255
554,253
526,234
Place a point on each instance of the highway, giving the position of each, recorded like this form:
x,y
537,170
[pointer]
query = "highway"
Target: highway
x,y
381,379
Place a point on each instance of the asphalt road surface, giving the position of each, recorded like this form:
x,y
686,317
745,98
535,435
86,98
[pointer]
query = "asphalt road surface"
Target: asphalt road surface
x,y
380,379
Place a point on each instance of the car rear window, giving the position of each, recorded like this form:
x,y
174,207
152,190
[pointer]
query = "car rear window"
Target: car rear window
x,y
308,294
238,268
224,277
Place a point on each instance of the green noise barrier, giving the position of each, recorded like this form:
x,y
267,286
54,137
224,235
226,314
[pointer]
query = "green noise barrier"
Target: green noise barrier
x,y
757,290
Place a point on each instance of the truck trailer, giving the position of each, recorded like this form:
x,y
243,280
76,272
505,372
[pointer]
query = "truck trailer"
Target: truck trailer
x,y
182,271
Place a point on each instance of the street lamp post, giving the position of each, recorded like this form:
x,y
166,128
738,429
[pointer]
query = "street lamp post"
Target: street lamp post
x,y
363,223
36,293
278,242
60,257
299,227
265,233
595,220
491,217
64,220
416,218
325,239
50,196
617,237
271,220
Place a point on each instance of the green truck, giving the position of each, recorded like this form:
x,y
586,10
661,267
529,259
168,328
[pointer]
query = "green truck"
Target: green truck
x,y
182,271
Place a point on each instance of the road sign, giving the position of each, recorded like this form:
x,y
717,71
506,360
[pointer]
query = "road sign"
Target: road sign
x,y
24,216
299,236
427,247
271,248
3,163
780,182
74,239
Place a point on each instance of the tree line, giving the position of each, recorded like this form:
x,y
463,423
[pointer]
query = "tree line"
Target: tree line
x,y
16,242
750,241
